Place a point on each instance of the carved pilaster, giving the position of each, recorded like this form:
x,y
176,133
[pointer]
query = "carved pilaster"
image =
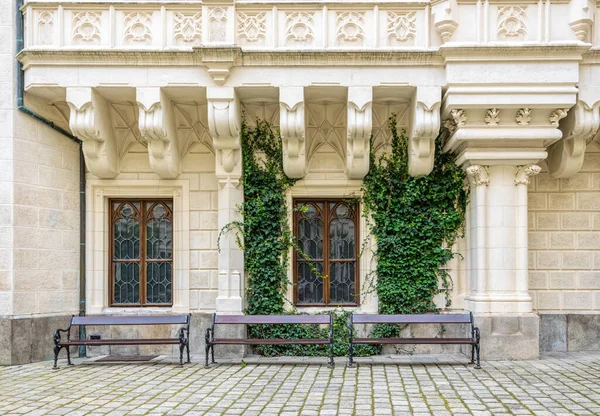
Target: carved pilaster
x,y
524,174
424,129
224,126
90,121
157,125
478,175
291,125
360,123
565,157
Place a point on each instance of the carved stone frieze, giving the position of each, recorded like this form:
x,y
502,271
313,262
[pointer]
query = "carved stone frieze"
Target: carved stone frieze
x,y
157,127
565,157
523,117
524,173
360,122
45,28
299,29
492,117
291,126
252,28
86,28
224,126
217,24
90,121
425,127
138,28
512,22
350,28
401,28
478,175
187,28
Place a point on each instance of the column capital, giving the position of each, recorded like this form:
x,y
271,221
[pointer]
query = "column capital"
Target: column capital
x,y
478,175
524,174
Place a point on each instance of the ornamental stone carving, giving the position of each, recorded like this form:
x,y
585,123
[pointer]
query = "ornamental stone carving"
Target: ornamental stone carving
x,y
138,28
360,123
581,124
45,26
86,28
350,29
252,28
217,24
557,115
424,129
512,23
187,28
219,62
90,121
445,20
524,174
523,117
224,126
291,126
299,28
581,18
401,28
157,126
478,175
458,118
492,117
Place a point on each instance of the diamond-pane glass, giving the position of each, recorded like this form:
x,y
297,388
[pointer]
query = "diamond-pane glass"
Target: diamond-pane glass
x,y
158,283
341,238
310,232
341,282
310,285
127,283
159,234
126,234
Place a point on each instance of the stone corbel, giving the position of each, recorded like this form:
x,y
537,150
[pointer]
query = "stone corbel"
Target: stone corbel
x,y
157,125
581,13
90,121
224,126
424,129
360,123
219,61
565,157
445,19
291,126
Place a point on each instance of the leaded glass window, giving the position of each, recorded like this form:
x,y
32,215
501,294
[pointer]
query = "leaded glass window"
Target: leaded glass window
x,y
141,252
326,231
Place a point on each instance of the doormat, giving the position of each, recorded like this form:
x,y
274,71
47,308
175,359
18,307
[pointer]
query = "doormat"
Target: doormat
x,y
118,358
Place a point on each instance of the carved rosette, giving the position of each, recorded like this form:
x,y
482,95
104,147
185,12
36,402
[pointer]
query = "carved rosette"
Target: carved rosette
x,y
350,28
478,175
157,125
512,22
360,123
90,121
565,157
524,174
138,28
299,29
291,126
424,129
224,126
86,28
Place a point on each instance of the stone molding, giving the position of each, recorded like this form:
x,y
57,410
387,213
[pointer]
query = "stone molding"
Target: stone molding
x,y
90,121
292,128
157,125
581,124
360,123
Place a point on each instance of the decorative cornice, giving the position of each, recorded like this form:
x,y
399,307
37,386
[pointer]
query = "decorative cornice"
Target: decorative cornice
x,y
524,173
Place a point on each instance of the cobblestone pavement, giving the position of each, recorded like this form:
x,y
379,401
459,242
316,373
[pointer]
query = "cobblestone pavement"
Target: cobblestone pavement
x,y
439,385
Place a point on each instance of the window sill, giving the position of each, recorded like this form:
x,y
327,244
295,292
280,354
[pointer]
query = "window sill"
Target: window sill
x,y
115,310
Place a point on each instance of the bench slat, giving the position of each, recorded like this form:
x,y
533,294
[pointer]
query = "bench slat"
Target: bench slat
x,y
448,318
130,320
121,341
413,341
254,341
272,319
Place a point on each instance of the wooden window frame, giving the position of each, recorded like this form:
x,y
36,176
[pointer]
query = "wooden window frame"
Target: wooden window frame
x,y
142,260
326,260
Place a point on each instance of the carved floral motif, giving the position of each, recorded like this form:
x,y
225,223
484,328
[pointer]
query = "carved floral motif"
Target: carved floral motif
x,y
492,117
512,22
138,28
401,28
557,115
299,28
350,28
524,173
252,28
86,28
217,25
523,117
187,28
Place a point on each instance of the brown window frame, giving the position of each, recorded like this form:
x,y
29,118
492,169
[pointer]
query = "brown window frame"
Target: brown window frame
x,y
326,260
142,258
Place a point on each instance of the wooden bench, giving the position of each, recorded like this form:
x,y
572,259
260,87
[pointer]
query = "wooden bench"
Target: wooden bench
x,y
211,341
473,340
183,340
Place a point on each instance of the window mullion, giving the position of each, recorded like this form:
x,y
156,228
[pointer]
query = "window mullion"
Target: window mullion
x,y
326,267
143,253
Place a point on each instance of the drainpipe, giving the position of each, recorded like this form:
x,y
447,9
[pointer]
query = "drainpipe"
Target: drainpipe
x,y
21,106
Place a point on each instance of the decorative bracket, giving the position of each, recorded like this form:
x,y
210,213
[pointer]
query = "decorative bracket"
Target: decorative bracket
x,y
581,18
360,123
219,61
291,126
445,19
157,125
565,157
224,126
90,121
425,128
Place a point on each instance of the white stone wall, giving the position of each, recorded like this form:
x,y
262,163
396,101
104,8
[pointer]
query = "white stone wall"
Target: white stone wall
x,y
198,169
564,238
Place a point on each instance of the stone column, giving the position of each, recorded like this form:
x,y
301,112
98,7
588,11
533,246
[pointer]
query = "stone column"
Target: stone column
x,y
224,125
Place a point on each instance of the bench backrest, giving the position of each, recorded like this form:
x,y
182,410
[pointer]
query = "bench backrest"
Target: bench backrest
x,y
131,320
271,319
446,318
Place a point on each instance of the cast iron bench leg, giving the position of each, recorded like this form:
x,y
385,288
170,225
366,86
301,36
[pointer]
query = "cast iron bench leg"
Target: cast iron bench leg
x,y
207,348
181,348
212,354
56,351
68,356
472,354
187,348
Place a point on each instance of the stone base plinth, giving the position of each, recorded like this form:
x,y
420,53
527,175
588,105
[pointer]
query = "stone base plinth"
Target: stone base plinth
x,y
569,332
509,337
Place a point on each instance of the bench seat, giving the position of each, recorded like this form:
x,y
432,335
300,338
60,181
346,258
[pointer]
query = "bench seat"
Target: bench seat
x,y
94,342
454,341
270,341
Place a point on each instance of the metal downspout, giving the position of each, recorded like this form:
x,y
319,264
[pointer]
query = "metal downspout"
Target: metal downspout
x,y
21,106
